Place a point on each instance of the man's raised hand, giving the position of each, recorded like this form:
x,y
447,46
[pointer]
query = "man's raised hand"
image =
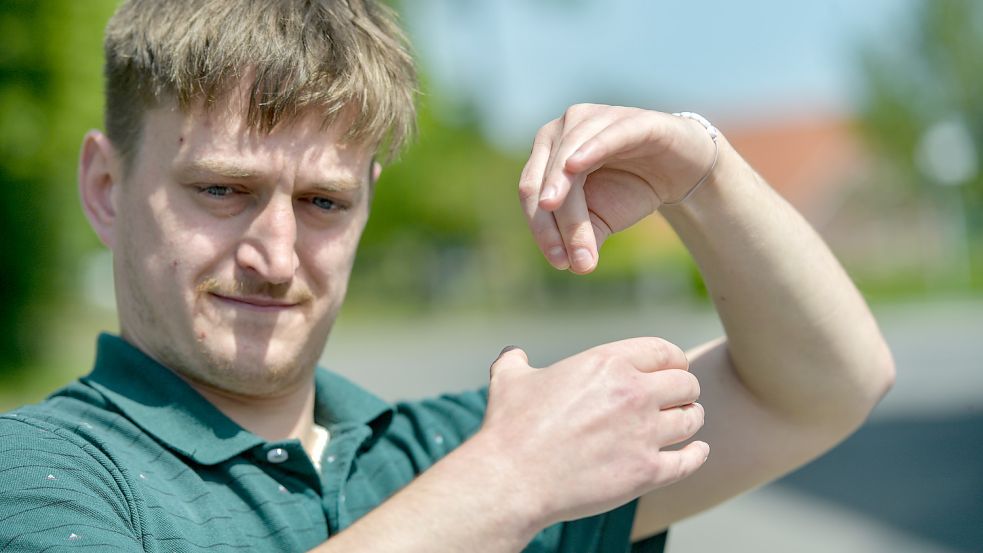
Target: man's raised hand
x,y
599,169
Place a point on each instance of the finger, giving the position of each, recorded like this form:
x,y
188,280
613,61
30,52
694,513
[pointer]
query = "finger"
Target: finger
x,y
510,357
647,353
678,424
673,388
557,181
541,223
577,231
619,137
673,466
531,179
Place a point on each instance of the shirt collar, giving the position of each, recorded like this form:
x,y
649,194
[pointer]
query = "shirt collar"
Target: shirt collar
x,y
339,400
165,406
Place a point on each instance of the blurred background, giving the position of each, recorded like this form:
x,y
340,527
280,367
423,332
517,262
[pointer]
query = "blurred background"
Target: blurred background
x,y
867,116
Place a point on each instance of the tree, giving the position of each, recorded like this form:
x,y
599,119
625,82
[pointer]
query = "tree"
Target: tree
x,y
49,95
924,110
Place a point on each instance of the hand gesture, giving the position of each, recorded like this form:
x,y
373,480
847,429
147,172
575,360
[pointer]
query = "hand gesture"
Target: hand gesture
x,y
599,169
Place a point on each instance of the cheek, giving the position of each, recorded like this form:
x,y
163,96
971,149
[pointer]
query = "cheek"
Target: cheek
x,y
331,258
187,249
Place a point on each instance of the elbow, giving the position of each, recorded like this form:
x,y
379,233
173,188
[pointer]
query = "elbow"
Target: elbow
x,y
873,379
883,375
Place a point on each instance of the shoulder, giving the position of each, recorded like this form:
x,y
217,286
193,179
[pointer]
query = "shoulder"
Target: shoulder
x,y
53,478
41,450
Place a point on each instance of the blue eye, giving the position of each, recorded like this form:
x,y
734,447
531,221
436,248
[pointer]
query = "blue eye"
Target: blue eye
x,y
217,191
324,203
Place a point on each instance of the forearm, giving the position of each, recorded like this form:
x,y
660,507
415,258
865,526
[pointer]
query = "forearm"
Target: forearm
x,y
799,333
463,503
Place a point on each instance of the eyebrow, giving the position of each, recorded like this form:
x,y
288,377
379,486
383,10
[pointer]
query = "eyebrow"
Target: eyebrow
x,y
210,167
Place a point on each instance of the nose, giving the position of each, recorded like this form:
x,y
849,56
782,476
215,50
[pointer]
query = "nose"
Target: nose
x,y
269,247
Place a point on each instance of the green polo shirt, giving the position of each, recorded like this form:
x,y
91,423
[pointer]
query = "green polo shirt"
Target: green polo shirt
x,y
130,458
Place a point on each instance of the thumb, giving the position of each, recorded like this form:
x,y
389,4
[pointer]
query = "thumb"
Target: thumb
x,y
510,357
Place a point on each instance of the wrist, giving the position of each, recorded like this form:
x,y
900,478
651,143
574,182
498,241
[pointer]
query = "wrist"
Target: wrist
x,y
508,493
729,174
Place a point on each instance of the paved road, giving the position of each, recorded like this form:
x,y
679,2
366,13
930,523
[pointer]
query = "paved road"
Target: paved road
x,y
910,481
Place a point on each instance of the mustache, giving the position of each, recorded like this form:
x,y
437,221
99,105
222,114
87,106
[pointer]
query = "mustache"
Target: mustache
x,y
254,289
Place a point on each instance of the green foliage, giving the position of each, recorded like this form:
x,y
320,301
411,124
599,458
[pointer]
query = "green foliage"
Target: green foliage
x,y
916,83
49,94
445,219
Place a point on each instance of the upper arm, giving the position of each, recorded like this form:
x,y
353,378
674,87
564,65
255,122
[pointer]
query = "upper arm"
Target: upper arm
x,y
55,493
750,444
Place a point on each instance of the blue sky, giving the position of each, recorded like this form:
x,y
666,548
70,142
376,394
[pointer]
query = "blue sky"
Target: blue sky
x,y
521,62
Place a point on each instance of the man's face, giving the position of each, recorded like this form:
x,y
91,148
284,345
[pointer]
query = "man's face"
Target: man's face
x,y
233,247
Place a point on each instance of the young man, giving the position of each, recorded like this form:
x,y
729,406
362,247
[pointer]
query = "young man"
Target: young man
x,y
232,186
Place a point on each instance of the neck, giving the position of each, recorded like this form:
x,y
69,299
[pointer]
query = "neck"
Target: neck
x,y
283,417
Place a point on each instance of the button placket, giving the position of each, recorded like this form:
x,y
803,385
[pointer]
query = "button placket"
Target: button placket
x,y
345,442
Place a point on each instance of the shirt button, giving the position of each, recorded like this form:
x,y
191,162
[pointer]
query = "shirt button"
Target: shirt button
x,y
277,455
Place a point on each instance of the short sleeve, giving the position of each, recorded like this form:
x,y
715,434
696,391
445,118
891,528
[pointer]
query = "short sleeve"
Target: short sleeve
x,y
438,425
55,495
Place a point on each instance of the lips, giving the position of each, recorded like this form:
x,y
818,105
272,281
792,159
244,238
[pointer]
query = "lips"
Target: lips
x,y
256,303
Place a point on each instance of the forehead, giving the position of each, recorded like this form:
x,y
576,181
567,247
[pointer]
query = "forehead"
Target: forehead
x,y
221,137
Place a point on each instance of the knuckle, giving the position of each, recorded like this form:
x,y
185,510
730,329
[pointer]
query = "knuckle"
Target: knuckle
x,y
694,385
625,393
663,349
543,135
571,112
527,189
700,416
576,111
542,231
579,233
694,422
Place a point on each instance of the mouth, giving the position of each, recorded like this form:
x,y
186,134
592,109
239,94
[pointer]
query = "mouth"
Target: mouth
x,y
260,304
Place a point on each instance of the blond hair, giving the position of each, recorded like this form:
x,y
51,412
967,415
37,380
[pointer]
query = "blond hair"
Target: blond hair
x,y
331,56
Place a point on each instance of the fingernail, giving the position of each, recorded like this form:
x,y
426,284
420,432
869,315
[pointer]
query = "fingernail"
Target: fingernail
x,y
582,259
558,257
507,349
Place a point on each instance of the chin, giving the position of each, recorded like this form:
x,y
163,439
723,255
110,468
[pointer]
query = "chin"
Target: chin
x,y
253,368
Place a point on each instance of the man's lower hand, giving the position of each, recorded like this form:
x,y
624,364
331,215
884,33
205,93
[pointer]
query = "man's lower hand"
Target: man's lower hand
x,y
590,433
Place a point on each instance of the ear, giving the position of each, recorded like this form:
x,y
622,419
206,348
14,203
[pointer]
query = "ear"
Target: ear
x,y
376,171
99,176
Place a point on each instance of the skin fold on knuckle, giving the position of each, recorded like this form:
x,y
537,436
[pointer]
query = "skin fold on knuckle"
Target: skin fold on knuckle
x,y
693,421
579,234
546,235
528,189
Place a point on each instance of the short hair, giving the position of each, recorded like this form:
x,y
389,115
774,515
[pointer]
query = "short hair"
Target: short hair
x,y
331,56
